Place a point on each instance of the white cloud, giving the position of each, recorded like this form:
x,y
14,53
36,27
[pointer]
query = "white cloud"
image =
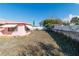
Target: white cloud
x,y
76,3
69,17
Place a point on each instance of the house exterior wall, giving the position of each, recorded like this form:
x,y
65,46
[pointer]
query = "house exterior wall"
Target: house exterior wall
x,y
20,31
5,31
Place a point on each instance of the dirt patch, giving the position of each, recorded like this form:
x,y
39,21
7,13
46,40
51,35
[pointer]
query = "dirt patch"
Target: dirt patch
x,y
38,43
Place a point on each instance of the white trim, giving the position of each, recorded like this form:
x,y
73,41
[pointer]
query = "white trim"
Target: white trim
x,y
9,25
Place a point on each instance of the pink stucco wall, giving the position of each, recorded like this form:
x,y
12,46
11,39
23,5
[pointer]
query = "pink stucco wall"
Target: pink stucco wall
x,y
19,32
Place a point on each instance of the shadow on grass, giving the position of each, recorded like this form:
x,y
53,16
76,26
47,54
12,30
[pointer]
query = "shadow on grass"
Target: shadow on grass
x,y
66,44
49,50
40,50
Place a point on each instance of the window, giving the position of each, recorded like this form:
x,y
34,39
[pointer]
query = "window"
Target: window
x,y
12,29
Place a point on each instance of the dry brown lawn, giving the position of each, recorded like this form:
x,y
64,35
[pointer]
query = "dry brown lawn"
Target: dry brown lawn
x,y
38,43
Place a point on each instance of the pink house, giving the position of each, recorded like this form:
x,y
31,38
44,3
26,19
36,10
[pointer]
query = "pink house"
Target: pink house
x,y
11,28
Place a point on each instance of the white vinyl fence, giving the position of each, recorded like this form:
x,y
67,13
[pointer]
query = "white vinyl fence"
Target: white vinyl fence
x,y
70,31
74,28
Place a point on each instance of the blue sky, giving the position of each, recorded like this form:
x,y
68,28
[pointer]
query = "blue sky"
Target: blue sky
x,y
27,12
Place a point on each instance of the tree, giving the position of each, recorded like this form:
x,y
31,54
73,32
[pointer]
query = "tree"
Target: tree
x,y
66,23
75,20
50,22
33,23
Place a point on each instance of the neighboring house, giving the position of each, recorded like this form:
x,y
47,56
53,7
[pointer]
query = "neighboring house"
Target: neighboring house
x,y
11,28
